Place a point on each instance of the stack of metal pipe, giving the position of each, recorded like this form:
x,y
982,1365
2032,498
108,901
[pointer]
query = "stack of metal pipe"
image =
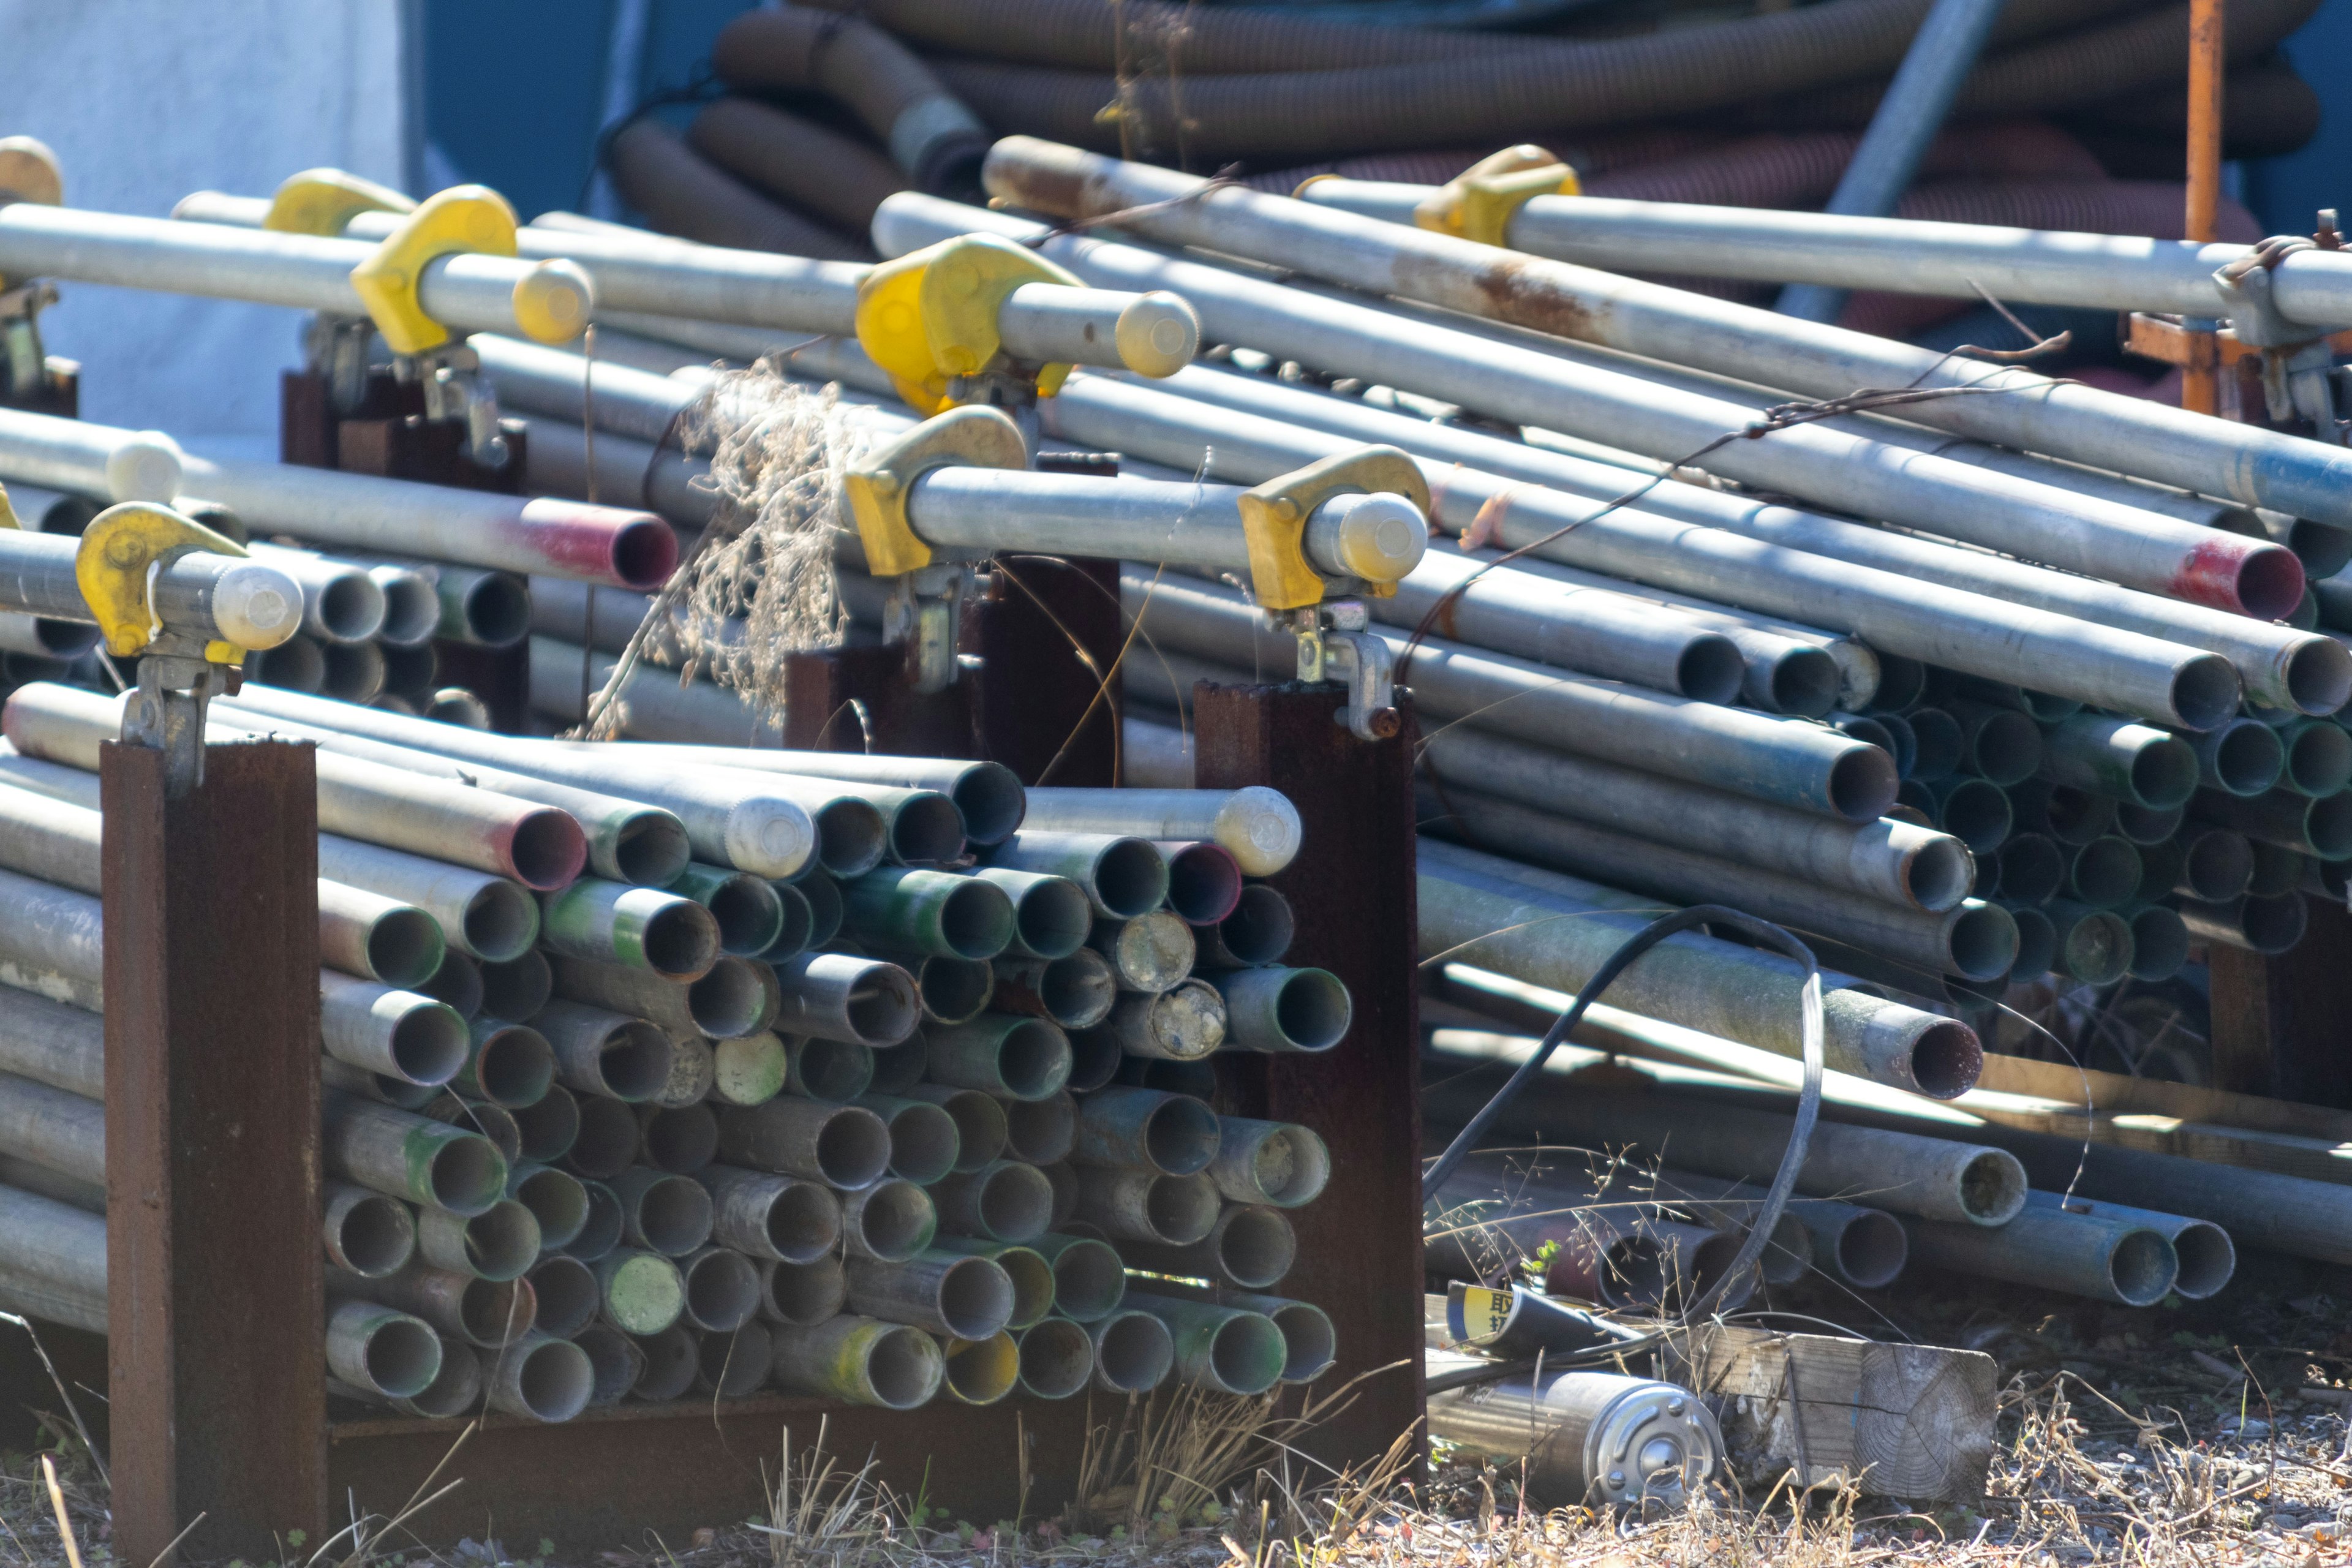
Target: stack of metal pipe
x,y
1615,1227
651,1068
389,570
1961,768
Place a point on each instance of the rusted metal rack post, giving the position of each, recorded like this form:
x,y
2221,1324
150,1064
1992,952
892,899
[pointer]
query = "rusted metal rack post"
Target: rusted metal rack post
x,y
216,1392
388,433
1359,1247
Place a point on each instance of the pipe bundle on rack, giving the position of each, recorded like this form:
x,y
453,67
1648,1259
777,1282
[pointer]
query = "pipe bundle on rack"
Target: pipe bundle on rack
x,y
1579,665
526,1208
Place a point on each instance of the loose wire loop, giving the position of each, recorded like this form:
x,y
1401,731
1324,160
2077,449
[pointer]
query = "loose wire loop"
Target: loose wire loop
x,y
1764,934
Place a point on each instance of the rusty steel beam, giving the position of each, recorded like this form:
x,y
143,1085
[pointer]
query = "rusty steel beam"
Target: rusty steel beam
x,y
212,1106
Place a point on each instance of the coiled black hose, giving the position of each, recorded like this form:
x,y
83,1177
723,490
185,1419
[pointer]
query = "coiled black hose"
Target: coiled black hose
x,y
657,173
1541,85
1763,933
805,165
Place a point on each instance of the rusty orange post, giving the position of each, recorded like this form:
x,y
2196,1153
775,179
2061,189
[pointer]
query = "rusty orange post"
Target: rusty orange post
x,y
2199,385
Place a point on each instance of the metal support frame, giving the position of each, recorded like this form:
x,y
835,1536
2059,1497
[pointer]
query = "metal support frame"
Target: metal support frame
x,y
214,1271
1045,713
388,430
1359,1245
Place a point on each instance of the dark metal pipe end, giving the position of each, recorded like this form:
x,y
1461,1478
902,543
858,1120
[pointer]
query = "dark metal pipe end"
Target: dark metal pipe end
x,y
722,1289
852,1149
681,1139
1131,877
1056,1358
601,1233
992,800
680,938
928,829
895,1221
1935,736
495,610
607,1139
851,835
924,1143
2160,943
501,921
2319,676
1804,682
1946,1059
1710,670
1863,782
1259,931
2037,943
1204,882
513,1066
1938,876
732,998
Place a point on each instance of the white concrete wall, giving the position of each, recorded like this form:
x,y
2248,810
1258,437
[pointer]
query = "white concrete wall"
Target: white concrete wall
x,y
145,100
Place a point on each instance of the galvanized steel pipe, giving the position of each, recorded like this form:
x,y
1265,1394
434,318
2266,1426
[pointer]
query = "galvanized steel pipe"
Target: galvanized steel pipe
x,y
2080,532
1803,766
550,300
2101,429
2096,271
1893,862
2278,665
1549,930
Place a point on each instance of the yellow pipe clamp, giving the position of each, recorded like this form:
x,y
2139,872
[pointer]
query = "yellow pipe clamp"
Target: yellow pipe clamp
x,y
929,317
120,554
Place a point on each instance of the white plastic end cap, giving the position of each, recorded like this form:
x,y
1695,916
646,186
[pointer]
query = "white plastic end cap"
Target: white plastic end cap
x,y
1260,828
1157,334
770,836
145,467
1381,537
255,606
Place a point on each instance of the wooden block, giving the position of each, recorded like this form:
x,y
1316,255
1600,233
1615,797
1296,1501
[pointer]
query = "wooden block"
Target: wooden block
x,y
1913,1422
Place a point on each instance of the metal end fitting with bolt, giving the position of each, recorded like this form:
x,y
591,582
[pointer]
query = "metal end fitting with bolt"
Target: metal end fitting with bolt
x,y
181,598
957,488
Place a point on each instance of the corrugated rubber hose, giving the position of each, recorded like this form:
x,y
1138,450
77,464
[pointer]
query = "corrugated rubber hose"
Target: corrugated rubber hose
x,y
805,165
929,133
657,173
1539,86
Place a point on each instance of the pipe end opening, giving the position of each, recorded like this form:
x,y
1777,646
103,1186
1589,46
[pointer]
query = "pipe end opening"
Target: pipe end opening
x,y
928,830
1992,1187
1872,1250
1939,873
1863,782
853,1148
1710,670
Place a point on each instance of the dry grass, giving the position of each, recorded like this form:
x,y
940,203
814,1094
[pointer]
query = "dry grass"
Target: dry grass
x,y
2078,1480
2140,1439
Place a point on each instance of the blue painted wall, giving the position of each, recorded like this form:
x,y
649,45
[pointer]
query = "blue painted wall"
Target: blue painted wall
x,y
513,88
2285,193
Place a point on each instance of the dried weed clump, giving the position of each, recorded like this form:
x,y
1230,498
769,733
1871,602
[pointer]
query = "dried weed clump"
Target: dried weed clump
x,y
759,584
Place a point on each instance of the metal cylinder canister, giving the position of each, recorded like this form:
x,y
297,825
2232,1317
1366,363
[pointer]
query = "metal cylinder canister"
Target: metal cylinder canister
x,y
1597,1438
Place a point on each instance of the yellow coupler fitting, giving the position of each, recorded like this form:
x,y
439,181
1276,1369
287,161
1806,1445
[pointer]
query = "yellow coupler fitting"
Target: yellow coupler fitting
x,y
1478,203
322,201
977,436
118,554
462,218
929,316
1275,514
